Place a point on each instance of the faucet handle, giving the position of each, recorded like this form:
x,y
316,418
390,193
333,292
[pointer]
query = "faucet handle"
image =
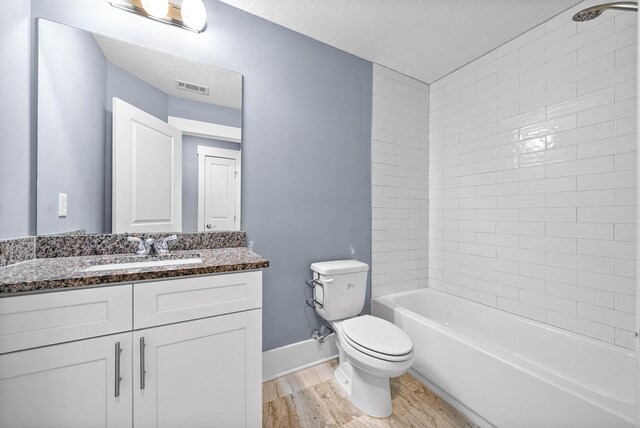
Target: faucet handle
x,y
166,240
141,248
162,247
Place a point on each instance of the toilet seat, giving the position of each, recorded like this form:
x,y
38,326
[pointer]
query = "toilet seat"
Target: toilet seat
x,y
377,338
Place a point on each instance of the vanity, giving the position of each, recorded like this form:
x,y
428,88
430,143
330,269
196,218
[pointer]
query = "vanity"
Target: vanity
x,y
91,334
159,346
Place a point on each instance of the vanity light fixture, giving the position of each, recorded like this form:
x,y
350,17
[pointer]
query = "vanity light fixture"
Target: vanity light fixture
x,y
156,8
191,15
194,15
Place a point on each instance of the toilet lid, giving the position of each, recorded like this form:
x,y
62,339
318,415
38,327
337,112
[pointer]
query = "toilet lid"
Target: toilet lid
x,y
377,335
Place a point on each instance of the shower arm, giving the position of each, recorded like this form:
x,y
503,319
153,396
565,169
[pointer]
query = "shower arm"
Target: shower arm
x,y
622,6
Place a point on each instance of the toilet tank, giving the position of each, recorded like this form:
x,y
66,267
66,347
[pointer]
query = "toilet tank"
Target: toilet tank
x,y
343,289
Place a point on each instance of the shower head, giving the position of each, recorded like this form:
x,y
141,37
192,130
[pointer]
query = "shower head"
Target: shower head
x,y
595,11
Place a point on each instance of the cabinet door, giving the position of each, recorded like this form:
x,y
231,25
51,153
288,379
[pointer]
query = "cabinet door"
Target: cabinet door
x,y
204,373
67,385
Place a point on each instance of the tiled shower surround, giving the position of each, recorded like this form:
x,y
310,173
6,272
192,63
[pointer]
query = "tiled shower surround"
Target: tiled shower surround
x,y
399,162
532,177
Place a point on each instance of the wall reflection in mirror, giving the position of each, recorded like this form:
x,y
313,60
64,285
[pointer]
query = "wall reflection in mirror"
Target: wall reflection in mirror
x,y
132,139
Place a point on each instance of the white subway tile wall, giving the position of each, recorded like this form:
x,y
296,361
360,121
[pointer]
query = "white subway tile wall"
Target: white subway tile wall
x,y
532,172
399,163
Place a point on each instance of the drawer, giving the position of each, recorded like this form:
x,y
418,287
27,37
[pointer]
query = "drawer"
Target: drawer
x,y
175,300
43,319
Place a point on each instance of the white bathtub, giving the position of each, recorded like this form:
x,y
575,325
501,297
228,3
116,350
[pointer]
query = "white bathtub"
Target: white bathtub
x,y
512,371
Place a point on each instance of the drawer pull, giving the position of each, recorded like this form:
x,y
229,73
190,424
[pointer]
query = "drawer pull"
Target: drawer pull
x,y
142,372
118,378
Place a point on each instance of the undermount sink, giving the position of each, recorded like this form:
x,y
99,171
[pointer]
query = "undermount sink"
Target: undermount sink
x,y
138,262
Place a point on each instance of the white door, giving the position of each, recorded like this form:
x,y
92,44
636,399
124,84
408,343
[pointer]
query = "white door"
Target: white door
x,y
218,189
68,385
204,373
147,172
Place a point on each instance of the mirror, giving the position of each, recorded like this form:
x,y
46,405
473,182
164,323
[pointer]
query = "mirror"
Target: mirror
x,y
132,139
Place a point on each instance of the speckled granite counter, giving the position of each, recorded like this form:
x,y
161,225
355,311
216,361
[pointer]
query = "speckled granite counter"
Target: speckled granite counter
x,y
60,273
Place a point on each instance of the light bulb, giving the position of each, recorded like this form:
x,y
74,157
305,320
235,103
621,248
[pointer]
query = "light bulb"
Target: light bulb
x,y
194,14
157,8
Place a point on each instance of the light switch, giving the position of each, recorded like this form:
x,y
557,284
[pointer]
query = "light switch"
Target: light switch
x,y
62,204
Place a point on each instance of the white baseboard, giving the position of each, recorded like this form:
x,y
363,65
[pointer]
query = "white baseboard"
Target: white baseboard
x,y
297,356
473,416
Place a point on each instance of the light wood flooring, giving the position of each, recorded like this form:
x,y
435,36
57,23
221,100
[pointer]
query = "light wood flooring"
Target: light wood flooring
x,y
312,398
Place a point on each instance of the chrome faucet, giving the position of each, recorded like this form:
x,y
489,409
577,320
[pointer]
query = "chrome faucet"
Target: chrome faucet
x,y
144,247
149,246
141,250
162,247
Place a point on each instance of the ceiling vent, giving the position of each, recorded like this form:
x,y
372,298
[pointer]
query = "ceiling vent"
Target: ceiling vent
x,y
192,87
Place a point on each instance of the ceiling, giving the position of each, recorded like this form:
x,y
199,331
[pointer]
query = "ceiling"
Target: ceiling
x,y
424,39
161,70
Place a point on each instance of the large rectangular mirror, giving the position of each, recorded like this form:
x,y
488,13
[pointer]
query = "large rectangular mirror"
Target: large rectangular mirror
x,y
132,139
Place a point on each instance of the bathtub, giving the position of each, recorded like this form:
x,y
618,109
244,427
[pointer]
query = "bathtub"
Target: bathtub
x,y
509,370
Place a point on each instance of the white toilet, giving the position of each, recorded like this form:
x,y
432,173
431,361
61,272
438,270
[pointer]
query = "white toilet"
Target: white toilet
x,y
371,349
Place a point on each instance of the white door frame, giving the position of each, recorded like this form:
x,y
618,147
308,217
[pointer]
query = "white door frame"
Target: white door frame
x,y
207,129
203,152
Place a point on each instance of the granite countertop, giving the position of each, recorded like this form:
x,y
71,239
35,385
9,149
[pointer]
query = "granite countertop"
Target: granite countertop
x,y
66,272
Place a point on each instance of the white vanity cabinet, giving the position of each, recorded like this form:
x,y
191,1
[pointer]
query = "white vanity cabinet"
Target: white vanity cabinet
x,y
67,385
189,355
200,373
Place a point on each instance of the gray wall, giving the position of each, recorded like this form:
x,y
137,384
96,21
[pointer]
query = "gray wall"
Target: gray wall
x,y
306,141
15,146
72,78
135,91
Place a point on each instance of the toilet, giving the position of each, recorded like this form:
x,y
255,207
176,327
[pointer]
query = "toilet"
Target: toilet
x,y
371,349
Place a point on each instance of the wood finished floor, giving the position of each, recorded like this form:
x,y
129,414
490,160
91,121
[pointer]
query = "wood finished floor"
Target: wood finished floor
x,y
312,398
